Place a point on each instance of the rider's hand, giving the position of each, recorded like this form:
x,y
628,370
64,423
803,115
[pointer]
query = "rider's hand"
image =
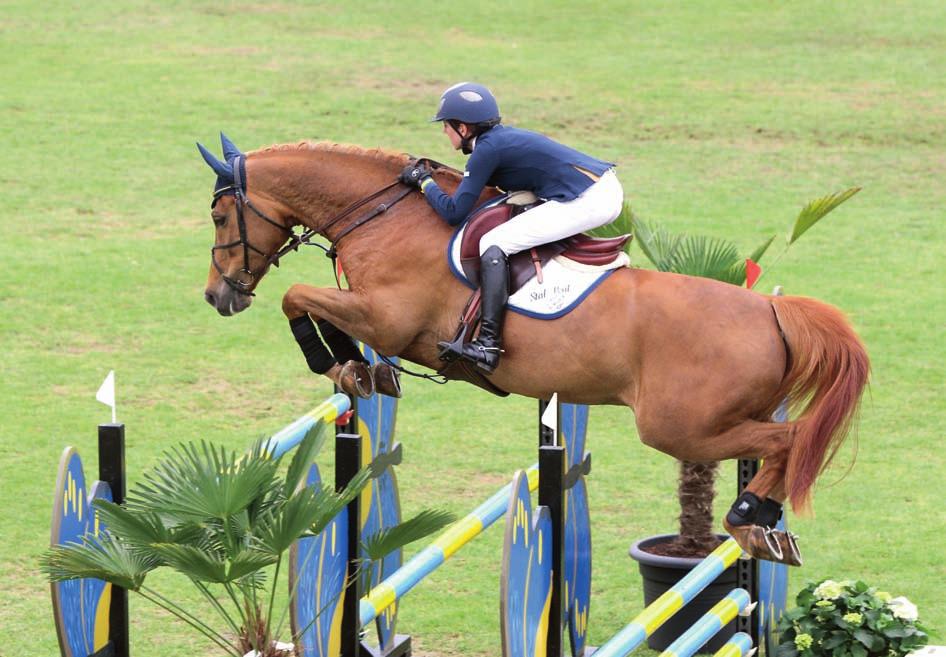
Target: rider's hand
x,y
414,174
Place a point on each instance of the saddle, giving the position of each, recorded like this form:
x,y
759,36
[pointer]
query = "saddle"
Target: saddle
x,y
580,248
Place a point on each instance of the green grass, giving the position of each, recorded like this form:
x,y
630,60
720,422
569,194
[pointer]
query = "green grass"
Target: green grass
x,y
724,118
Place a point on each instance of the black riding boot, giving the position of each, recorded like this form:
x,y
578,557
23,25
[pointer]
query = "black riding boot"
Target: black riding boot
x,y
494,285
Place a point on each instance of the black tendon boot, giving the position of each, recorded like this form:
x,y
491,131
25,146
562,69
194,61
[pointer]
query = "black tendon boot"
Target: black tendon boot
x,y
494,283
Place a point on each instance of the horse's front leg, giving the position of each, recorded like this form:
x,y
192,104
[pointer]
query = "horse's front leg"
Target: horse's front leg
x,y
339,314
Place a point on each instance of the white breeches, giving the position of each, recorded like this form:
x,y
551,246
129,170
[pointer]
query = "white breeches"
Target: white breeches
x,y
554,220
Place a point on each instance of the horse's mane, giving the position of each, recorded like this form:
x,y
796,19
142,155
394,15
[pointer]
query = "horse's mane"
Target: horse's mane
x,y
379,154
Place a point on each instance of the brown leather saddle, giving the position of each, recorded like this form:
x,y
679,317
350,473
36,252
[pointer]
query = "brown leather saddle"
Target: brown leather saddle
x,y
522,268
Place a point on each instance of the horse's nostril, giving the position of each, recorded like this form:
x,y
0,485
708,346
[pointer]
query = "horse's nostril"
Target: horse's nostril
x,y
211,298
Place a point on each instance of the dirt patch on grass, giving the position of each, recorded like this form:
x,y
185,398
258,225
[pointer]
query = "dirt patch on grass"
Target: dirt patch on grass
x,y
393,84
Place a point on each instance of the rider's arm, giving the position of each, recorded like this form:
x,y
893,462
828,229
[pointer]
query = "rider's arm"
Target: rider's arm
x,y
454,209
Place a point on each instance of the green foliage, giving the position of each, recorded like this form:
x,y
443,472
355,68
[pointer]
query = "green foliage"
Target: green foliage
x,y
816,209
387,540
106,231
717,258
220,518
694,255
622,225
849,619
102,558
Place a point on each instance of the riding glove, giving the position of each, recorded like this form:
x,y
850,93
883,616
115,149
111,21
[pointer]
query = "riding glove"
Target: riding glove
x,y
414,174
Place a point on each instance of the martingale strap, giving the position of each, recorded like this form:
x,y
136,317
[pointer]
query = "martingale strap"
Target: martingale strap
x,y
380,209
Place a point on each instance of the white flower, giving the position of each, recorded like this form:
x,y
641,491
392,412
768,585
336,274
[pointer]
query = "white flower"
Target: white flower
x,y
903,609
828,590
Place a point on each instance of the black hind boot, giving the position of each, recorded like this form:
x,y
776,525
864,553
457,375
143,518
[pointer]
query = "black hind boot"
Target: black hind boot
x,y
494,283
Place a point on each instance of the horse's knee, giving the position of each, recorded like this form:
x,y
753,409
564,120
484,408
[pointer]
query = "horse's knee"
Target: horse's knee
x,y
292,301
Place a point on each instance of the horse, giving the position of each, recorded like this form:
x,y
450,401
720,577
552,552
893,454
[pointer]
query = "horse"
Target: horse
x,y
702,364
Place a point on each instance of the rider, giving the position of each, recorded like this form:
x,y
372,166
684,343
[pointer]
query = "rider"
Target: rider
x,y
580,193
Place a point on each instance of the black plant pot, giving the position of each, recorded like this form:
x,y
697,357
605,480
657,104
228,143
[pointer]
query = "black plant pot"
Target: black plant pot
x,y
660,573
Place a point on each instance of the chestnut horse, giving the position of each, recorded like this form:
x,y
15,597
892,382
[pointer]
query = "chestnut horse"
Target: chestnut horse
x,y
702,364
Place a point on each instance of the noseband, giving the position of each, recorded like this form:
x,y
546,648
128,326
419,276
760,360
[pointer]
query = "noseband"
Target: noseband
x,y
295,240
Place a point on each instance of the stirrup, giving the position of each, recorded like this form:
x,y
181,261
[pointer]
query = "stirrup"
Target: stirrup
x,y
486,358
451,351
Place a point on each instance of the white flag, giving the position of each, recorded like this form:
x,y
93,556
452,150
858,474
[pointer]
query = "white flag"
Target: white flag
x,y
550,416
106,393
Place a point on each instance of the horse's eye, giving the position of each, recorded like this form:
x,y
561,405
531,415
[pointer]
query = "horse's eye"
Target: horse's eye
x,y
219,220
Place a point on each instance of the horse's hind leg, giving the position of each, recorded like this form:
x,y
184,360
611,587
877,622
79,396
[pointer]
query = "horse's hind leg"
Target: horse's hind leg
x,y
753,516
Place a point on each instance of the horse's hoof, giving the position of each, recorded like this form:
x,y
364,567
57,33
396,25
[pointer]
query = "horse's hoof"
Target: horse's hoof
x,y
766,543
386,379
355,379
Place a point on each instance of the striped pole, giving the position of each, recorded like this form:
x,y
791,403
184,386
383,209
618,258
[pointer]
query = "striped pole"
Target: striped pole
x,y
430,558
686,645
291,435
739,645
672,600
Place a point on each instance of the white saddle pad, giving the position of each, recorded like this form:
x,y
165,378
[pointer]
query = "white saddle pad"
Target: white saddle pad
x,y
565,283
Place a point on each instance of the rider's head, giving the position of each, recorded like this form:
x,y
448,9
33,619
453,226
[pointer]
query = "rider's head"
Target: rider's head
x,y
467,109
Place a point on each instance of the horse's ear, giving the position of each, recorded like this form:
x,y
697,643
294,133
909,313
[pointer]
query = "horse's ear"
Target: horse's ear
x,y
230,151
222,169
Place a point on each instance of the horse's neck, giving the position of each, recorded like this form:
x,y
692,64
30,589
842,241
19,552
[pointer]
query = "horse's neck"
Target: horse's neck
x,y
319,186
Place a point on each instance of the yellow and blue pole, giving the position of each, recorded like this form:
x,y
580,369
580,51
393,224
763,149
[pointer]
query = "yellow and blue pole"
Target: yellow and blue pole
x,y
291,435
430,558
672,600
739,645
686,645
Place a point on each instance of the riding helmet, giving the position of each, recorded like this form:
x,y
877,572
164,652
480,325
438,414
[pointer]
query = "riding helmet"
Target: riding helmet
x,y
468,102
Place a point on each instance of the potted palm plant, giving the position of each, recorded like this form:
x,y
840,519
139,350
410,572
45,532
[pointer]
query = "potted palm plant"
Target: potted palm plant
x,y
665,558
224,520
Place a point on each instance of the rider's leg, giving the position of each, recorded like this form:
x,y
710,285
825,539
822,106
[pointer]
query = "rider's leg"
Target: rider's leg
x,y
494,283
599,204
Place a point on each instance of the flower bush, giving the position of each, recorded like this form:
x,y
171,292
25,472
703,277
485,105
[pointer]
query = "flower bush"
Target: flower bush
x,y
849,619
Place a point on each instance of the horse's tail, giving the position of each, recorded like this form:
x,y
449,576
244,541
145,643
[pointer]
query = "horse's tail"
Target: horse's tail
x,y
828,372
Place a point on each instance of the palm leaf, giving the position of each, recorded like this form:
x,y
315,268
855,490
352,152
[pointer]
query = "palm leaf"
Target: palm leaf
x,y
199,564
760,250
708,257
102,557
622,225
194,484
420,526
248,563
658,245
815,210
281,527
134,528
332,503
305,454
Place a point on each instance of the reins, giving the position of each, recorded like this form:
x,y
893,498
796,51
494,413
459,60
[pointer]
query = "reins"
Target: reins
x,y
295,240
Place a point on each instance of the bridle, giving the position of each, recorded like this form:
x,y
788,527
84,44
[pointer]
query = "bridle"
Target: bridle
x,y
247,277
295,240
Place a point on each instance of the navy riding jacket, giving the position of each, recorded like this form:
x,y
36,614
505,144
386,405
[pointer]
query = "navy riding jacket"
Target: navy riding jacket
x,y
516,159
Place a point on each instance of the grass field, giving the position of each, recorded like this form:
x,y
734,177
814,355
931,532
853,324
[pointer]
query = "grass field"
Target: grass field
x,y
725,118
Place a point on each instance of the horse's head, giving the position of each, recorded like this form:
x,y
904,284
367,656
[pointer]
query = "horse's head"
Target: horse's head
x,y
249,232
